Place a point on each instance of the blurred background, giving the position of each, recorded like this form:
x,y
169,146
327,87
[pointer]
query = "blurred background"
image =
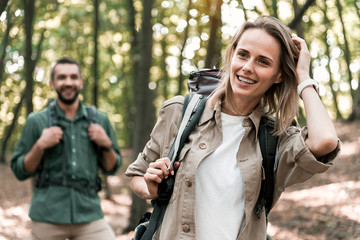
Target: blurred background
x,y
135,54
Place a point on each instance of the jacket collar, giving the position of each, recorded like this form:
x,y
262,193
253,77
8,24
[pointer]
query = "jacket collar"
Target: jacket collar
x,y
252,120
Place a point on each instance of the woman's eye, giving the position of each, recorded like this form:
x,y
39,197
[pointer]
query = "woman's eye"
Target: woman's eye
x,y
242,54
263,62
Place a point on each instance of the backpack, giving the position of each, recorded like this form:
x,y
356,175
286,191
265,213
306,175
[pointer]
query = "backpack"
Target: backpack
x,y
268,144
45,180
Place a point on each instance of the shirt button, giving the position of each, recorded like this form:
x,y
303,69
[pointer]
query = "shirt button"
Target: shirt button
x,y
188,182
72,137
74,150
74,164
202,146
185,228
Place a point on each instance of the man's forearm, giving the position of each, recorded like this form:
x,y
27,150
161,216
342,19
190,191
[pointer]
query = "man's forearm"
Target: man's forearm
x,y
33,158
110,159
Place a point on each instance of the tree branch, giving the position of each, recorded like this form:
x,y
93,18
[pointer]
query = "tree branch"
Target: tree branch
x,y
299,14
10,128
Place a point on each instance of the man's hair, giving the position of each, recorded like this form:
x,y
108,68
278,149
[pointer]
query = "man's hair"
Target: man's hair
x,y
64,60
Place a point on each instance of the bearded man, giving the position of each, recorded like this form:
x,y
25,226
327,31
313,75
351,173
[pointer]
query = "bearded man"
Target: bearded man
x,y
62,147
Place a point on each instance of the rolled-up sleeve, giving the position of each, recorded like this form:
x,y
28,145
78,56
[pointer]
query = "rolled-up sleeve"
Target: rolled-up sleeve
x,y
28,138
105,123
296,162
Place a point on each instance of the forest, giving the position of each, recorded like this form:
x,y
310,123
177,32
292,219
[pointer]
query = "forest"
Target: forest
x,y
135,54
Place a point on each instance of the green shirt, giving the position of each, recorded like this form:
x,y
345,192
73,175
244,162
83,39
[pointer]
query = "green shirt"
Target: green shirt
x,y
59,204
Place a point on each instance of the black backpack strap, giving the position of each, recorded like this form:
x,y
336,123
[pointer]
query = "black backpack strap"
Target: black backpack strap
x,y
45,180
268,146
44,167
92,114
166,187
93,119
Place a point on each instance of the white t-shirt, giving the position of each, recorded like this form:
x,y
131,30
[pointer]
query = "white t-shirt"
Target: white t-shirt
x,y
219,208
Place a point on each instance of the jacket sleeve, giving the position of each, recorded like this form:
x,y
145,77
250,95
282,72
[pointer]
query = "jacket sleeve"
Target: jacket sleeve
x,y
161,137
296,162
30,134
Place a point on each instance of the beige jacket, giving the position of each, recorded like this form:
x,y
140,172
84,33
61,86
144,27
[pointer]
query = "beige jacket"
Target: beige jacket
x,y
296,164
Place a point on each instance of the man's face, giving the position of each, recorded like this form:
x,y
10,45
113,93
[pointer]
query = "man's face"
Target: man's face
x,y
67,82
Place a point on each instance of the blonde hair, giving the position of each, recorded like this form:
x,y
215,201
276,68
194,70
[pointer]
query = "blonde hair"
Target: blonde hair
x,y
280,99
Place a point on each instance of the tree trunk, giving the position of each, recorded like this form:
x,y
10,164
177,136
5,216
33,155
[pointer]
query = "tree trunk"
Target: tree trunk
x,y
181,57
300,32
3,4
29,12
327,52
95,64
346,49
4,43
30,62
355,114
275,8
144,116
213,49
9,129
164,81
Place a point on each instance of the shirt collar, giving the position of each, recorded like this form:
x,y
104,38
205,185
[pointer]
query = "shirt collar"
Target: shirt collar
x,y
252,120
82,112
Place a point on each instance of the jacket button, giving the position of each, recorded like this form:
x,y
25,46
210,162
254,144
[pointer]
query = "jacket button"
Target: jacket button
x,y
202,146
246,122
185,228
188,182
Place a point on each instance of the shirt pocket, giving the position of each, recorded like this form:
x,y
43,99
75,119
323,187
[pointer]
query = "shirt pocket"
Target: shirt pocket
x,y
179,175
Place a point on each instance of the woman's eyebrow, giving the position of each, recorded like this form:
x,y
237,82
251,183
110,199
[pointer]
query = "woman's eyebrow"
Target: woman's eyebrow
x,y
261,56
270,59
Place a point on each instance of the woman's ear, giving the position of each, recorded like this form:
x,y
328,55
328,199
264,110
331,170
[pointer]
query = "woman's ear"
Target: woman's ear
x,y
279,79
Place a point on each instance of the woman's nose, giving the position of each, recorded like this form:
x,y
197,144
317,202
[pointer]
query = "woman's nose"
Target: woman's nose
x,y
248,66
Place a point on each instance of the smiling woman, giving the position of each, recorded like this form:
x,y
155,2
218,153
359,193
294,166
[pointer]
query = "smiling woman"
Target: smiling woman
x,y
254,68
219,173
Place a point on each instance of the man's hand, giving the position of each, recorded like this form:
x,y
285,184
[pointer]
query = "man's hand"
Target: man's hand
x,y
98,135
50,137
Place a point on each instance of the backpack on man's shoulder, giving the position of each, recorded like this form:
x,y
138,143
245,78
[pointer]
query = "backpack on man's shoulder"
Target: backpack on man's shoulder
x,y
44,178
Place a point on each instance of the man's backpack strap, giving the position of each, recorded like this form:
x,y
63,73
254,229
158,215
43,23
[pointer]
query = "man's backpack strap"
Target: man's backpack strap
x,y
192,110
268,146
45,179
92,114
44,167
93,119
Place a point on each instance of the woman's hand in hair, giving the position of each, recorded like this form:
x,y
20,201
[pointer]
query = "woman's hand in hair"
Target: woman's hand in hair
x,y
303,64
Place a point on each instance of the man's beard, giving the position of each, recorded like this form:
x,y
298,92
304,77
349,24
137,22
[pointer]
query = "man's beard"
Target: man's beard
x,y
67,101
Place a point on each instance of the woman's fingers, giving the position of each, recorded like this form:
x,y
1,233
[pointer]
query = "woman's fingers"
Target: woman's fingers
x,y
304,58
151,177
159,168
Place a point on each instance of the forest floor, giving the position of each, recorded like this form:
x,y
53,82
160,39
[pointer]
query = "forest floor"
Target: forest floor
x,y
326,207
